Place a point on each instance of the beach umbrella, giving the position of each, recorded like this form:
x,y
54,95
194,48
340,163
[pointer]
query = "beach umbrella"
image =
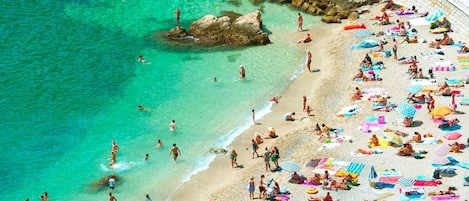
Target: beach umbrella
x,y
290,166
441,111
361,33
442,150
394,138
414,88
313,163
405,181
373,174
452,136
406,110
440,160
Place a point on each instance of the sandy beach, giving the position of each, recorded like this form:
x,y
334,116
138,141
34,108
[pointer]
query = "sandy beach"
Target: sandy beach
x,y
327,92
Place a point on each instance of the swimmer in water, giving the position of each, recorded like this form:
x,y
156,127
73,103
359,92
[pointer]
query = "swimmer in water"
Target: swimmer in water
x,y
159,144
141,108
141,59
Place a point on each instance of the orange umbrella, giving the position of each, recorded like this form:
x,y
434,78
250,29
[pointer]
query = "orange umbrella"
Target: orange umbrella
x,y
441,111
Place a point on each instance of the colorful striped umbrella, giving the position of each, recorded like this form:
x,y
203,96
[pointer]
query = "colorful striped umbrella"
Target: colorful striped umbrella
x,y
406,110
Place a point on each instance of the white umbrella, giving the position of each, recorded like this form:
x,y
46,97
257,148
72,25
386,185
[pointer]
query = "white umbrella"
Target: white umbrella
x,y
440,160
442,150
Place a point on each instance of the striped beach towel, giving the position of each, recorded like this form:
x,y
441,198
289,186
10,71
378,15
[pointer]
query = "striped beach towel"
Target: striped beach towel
x,y
355,168
445,197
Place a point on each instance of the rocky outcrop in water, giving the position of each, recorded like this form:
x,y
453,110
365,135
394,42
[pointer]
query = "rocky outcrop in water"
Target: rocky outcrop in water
x,y
233,30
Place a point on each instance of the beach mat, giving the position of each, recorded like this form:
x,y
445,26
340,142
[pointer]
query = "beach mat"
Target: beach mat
x,y
355,167
445,197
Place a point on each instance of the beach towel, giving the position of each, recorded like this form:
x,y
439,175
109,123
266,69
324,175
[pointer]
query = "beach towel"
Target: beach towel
x,y
413,193
355,168
464,101
423,82
389,180
365,44
434,15
421,21
348,111
445,197
381,185
428,141
426,183
383,143
455,81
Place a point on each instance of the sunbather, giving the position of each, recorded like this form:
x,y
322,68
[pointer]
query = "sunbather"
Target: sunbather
x,y
464,49
307,39
410,40
416,138
406,150
444,23
396,132
446,40
366,152
359,75
443,192
374,141
316,179
357,95
455,148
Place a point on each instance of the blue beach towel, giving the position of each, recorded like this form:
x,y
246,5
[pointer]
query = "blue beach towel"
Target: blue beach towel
x,y
365,44
355,168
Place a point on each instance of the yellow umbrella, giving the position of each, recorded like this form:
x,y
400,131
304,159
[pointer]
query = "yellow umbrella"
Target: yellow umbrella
x,y
441,111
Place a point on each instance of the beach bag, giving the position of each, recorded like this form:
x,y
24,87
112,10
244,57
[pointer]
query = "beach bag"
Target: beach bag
x,y
436,174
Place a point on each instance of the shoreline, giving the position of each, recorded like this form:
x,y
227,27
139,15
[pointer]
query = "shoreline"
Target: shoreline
x,y
328,91
220,164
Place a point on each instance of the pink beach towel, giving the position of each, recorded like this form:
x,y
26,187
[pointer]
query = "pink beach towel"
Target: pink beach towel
x,y
445,197
442,68
389,180
426,183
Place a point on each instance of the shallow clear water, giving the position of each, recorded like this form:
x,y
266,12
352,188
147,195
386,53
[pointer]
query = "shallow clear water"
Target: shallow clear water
x,y
71,84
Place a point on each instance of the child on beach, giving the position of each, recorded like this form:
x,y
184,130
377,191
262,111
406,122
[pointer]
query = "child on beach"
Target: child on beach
x,y
233,157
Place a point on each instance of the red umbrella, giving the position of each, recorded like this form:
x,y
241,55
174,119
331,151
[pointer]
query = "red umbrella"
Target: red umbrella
x,y
453,136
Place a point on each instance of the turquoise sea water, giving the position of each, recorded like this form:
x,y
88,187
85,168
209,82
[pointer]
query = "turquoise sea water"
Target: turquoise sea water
x,y
71,84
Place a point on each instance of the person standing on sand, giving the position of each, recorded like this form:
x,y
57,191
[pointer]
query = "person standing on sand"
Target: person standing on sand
x,y
178,17
394,48
255,146
251,188
111,197
262,189
233,157
304,103
308,65
300,22
112,183
242,72
267,159
253,116
115,147
175,152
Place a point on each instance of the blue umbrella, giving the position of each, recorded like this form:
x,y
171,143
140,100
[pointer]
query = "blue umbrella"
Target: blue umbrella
x,y
406,110
414,88
290,166
373,174
362,33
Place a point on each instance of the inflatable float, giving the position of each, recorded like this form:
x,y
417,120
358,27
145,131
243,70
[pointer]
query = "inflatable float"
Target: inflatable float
x,y
312,190
355,26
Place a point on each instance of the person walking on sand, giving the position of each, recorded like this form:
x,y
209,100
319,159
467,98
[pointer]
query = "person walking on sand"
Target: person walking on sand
x,y
112,183
233,157
267,159
300,22
242,72
175,152
172,126
251,188
304,103
253,116
254,146
178,17
394,48
111,197
308,65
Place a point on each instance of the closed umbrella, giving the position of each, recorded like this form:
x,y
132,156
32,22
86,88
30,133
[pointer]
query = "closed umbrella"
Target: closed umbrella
x,y
452,135
290,166
405,181
442,150
406,110
441,111
373,174
394,138
414,88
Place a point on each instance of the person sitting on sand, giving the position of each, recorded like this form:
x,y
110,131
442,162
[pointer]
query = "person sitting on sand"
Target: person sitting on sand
x,y
444,90
271,134
317,129
359,75
307,39
406,150
325,129
374,141
357,95
366,61
365,152
384,18
275,99
289,116
464,49
316,179
416,138
446,40
455,148
258,138
444,23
